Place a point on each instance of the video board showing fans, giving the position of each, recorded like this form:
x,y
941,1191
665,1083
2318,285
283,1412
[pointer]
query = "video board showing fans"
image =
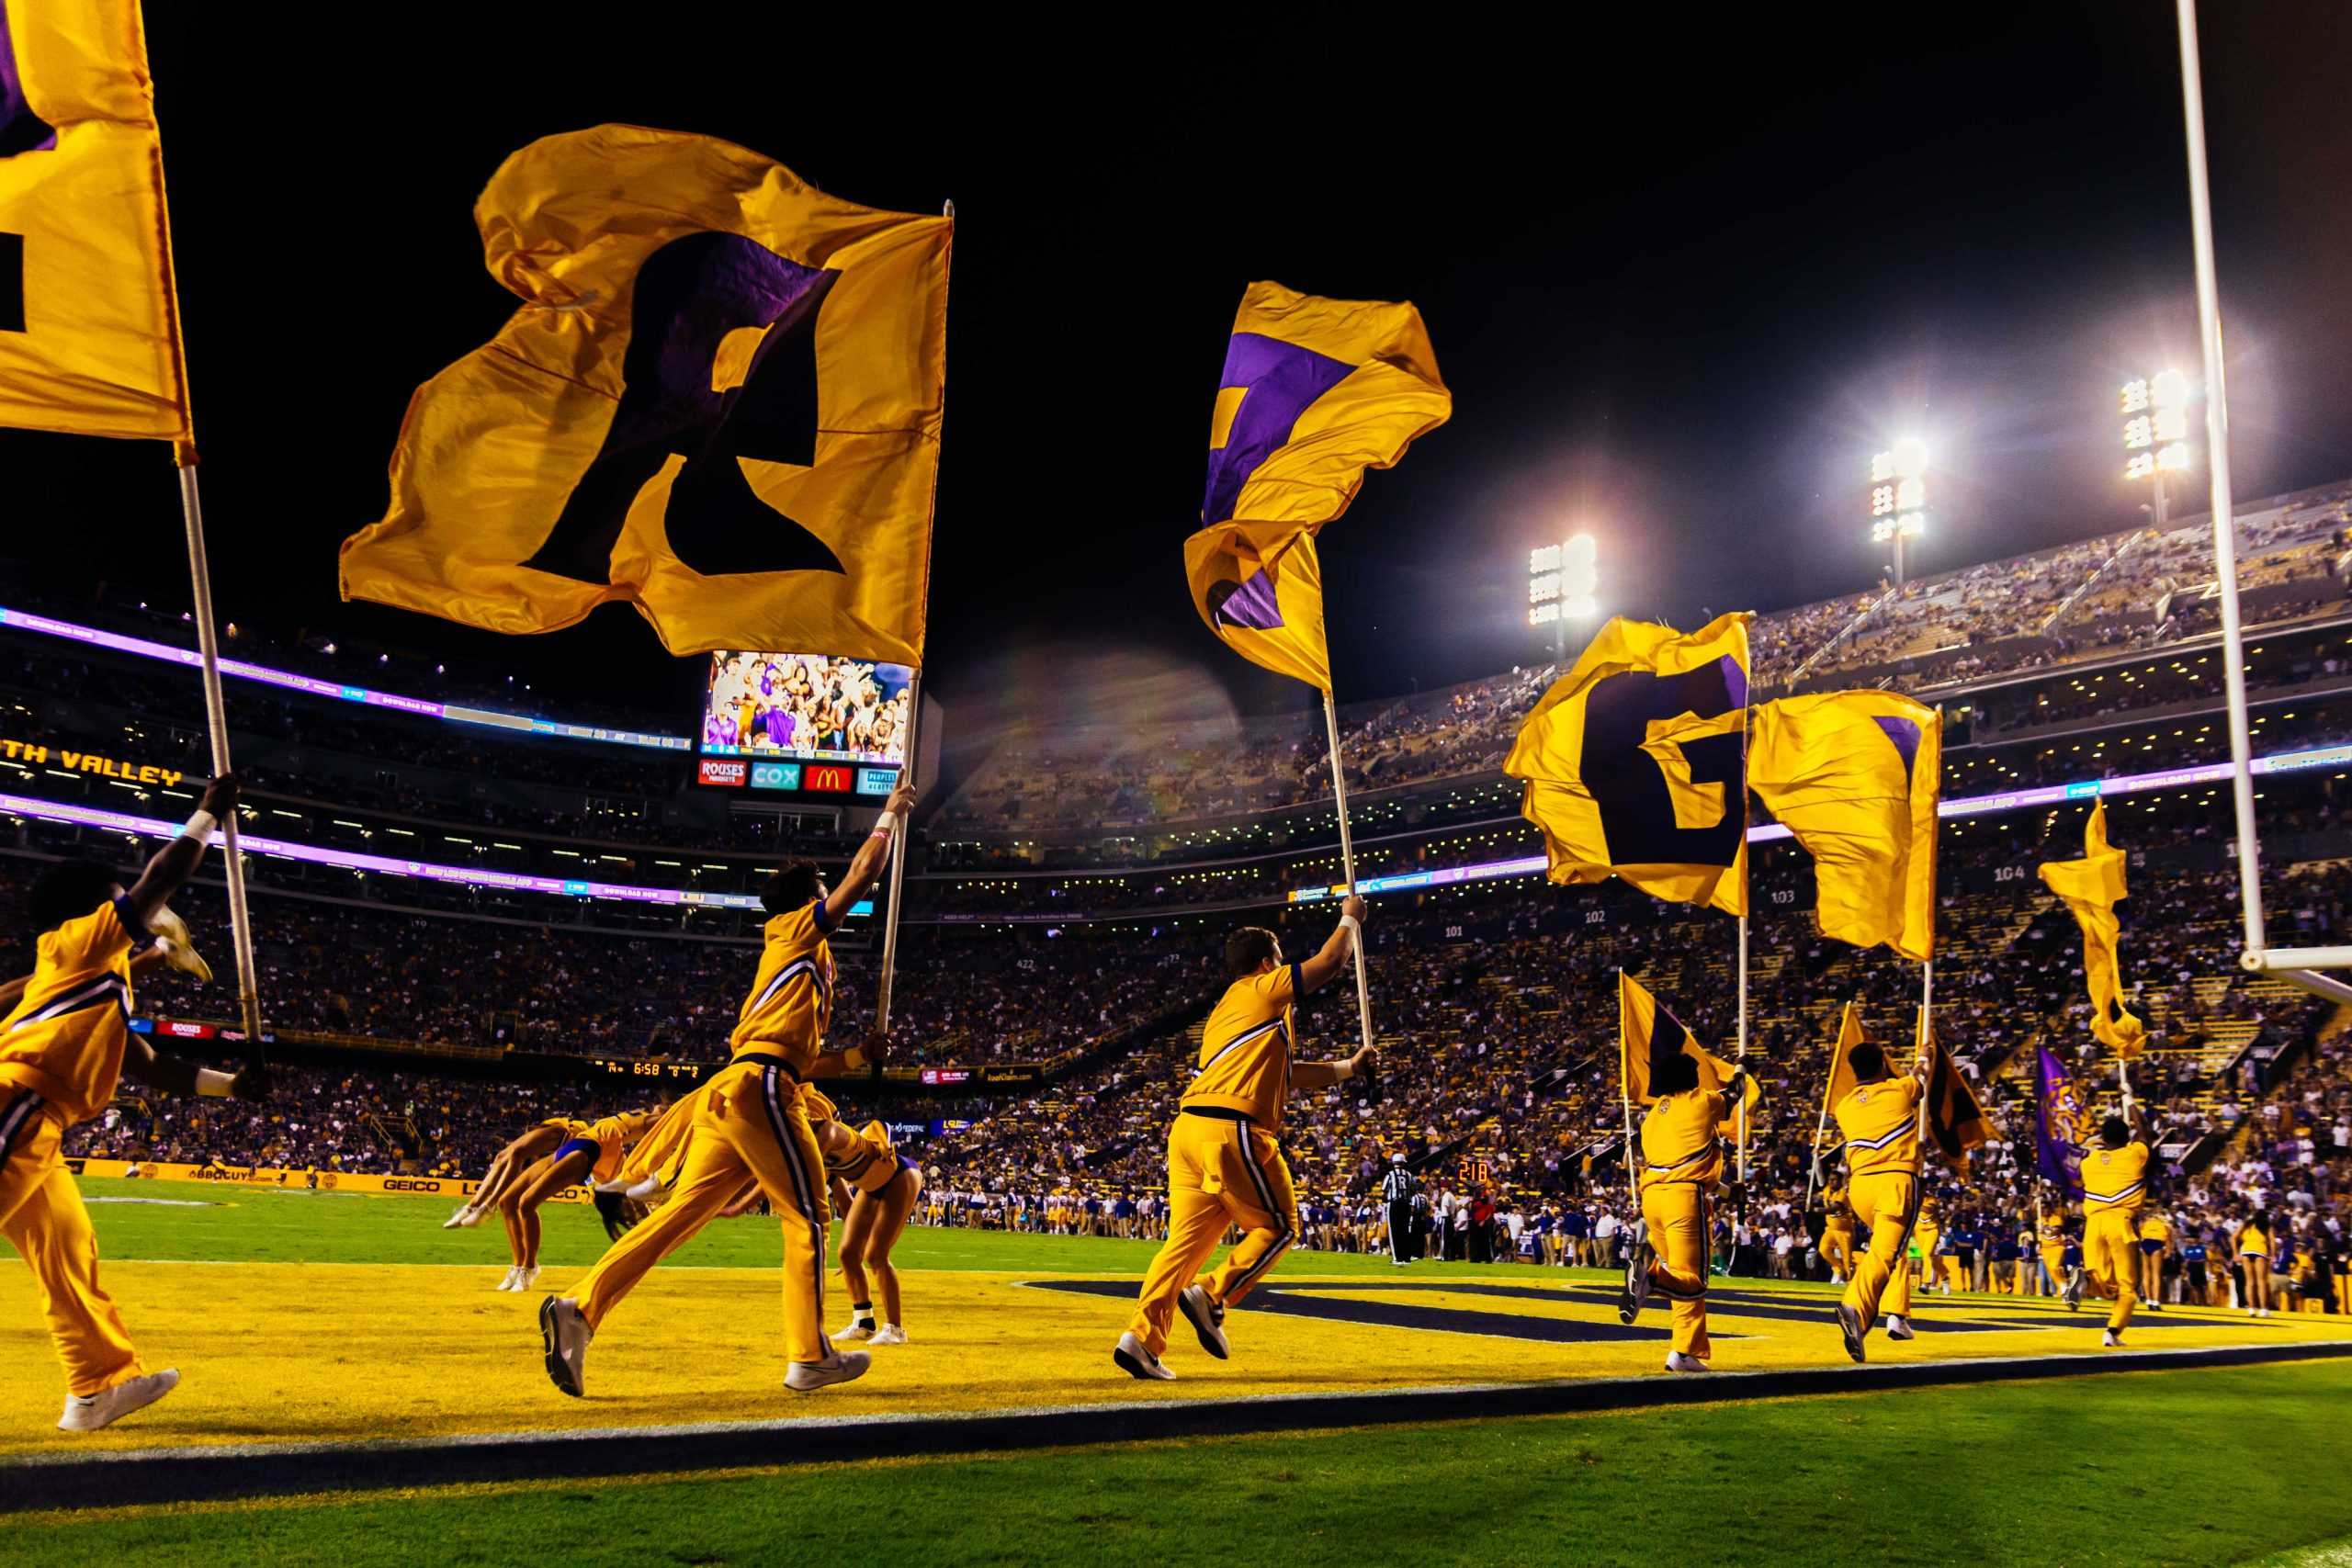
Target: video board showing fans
x,y
807,724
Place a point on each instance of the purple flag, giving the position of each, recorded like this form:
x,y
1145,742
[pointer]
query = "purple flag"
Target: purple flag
x,y
2062,1126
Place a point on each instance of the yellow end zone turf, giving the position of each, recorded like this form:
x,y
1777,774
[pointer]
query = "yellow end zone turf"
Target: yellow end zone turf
x,y
350,1352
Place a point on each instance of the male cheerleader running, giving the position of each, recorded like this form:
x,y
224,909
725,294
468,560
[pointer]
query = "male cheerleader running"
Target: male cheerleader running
x,y
1225,1164
63,1048
1879,1117
751,1125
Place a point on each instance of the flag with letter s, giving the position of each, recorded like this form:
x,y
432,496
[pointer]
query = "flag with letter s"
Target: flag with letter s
x,y
719,400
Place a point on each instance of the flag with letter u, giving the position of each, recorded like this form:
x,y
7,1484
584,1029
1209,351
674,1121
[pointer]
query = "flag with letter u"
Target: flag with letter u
x,y
1647,1034
1634,767
2092,887
1854,777
89,330
1314,392
719,402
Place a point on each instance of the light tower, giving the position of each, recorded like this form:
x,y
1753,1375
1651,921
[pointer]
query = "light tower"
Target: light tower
x,y
1562,585
2156,432
1899,497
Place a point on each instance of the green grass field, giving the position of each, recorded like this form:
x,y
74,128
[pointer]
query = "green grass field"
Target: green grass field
x,y
146,1220
2194,1467
2215,1467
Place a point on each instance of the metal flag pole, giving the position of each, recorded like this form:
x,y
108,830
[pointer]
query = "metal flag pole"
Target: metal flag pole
x,y
1743,1047
216,716
899,858
1813,1167
907,775
1625,1093
1347,859
2217,450
1927,1035
1747,887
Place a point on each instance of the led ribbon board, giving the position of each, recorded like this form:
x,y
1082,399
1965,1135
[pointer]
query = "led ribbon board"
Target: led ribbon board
x,y
351,860
1972,806
285,679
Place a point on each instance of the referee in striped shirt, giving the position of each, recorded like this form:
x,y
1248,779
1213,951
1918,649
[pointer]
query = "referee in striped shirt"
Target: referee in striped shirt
x,y
1396,1190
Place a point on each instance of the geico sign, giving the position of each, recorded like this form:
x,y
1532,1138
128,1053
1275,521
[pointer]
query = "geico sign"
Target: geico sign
x,y
410,1184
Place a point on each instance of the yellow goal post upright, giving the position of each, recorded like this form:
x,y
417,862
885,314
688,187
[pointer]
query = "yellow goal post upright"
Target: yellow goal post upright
x,y
2300,965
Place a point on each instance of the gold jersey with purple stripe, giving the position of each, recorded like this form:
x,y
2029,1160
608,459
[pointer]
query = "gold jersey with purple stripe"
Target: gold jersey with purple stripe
x,y
791,999
1245,1049
1880,1122
1678,1139
2115,1178
65,1039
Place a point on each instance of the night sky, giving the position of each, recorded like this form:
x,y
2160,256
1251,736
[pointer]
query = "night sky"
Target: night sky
x,y
1682,275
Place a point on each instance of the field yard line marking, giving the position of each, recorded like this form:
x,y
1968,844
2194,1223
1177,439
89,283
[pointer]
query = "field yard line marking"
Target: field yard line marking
x,y
133,1476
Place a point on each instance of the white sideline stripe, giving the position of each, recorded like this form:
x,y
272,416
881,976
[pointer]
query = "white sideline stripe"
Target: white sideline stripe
x,y
1730,1381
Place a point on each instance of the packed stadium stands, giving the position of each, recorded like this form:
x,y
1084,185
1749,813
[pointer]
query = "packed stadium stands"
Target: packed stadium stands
x,y
1064,916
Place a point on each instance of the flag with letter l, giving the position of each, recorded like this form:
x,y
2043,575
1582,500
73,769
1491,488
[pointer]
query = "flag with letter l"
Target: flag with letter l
x,y
2092,887
720,401
1955,1117
1633,763
1647,1034
1854,777
89,328
1314,392
2062,1124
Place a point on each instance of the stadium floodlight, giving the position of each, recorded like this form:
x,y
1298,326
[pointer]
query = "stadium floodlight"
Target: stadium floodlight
x,y
1563,584
1899,496
2156,434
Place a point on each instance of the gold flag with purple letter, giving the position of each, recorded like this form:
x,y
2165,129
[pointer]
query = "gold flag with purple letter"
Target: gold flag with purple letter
x,y
1314,392
719,402
89,326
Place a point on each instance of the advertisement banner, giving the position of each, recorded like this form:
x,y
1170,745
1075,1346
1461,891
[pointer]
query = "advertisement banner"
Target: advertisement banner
x,y
270,1176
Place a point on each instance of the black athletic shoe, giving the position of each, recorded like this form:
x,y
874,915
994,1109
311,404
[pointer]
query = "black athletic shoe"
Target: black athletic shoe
x,y
612,1209
1850,1323
566,1335
1636,1294
1207,1319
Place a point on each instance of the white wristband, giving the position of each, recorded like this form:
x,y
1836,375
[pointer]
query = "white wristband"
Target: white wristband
x,y
199,826
1353,925
884,827
213,1084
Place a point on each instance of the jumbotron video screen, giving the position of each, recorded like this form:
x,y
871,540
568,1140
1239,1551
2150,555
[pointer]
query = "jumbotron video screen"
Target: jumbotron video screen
x,y
804,723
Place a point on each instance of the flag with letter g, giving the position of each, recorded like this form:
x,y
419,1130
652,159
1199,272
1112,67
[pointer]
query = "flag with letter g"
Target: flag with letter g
x,y
89,330
1314,392
719,402
1634,763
